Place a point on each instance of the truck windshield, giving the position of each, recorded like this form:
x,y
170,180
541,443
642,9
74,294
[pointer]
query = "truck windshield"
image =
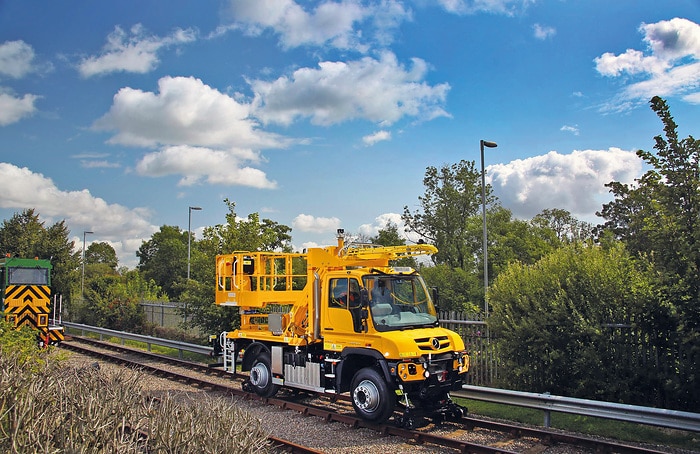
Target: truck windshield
x,y
399,302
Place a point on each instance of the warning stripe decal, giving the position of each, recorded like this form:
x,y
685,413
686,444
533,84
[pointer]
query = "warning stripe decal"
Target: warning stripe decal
x,y
28,305
21,292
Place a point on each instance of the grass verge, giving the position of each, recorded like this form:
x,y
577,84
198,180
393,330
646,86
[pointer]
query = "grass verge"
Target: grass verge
x,y
618,430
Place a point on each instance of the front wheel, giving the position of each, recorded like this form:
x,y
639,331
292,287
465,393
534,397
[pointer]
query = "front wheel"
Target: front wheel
x,y
261,377
371,397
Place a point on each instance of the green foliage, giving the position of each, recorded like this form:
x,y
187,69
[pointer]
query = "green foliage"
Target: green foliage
x,y
109,303
512,240
555,320
19,344
451,219
101,252
563,225
389,236
114,301
249,234
163,259
459,289
452,196
24,235
238,234
658,220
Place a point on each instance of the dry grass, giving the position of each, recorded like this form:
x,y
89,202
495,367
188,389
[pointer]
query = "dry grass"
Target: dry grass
x,y
48,407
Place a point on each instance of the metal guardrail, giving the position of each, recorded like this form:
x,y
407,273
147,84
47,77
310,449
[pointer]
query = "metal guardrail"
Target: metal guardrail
x,y
148,340
622,412
673,419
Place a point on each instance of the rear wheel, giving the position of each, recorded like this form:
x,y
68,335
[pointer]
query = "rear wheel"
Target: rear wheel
x,y
261,377
371,396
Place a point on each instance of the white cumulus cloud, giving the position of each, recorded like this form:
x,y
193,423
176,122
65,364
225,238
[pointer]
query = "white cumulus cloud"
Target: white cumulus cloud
x,y
198,163
133,52
16,59
507,7
331,23
572,129
380,90
669,66
574,182
122,227
543,32
13,109
205,135
378,136
309,223
184,111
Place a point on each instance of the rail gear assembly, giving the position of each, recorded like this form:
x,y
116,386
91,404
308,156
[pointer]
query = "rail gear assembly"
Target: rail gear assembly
x,y
341,319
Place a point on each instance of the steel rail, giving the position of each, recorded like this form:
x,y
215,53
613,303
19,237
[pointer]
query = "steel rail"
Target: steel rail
x,y
328,415
672,419
352,420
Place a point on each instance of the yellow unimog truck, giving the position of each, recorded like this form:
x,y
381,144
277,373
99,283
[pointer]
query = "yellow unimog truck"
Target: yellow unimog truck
x,y
341,319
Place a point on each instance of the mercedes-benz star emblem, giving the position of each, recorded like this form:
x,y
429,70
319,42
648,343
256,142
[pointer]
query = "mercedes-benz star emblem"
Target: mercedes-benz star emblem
x,y
436,343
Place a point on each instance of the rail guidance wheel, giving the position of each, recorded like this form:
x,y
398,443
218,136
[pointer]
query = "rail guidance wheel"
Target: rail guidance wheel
x,y
371,396
261,377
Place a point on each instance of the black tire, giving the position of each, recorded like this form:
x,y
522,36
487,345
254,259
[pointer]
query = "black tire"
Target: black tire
x,y
371,397
261,376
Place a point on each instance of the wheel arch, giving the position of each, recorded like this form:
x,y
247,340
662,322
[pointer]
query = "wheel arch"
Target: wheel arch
x,y
251,352
353,359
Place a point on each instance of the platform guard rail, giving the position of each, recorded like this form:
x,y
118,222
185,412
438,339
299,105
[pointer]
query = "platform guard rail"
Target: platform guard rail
x,y
547,403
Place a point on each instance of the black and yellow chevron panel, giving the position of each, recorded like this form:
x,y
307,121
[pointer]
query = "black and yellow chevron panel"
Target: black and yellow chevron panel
x,y
28,305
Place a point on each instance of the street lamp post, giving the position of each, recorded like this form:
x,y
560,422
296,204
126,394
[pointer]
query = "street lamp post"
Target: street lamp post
x,y
485,143
82,279
189,237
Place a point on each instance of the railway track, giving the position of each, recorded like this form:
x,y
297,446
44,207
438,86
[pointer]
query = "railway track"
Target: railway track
x,y
491,436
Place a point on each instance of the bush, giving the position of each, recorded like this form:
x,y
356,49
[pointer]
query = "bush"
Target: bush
x,y
556,323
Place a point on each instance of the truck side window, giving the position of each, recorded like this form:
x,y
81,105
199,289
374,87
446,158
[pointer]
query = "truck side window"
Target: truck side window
x,y
339,295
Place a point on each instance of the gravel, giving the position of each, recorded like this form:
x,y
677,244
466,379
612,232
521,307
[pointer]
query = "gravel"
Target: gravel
x,y
336,437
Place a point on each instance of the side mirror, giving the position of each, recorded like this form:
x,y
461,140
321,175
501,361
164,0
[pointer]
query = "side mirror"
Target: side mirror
x,y
364,297
436,300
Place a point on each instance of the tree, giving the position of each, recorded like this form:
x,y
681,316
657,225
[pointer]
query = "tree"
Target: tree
x,y
451,218
566,227
452,196
237,234
24,235
459,290
389,236
249,234
113,299
101,252
658,221
163,259
513,240
111,305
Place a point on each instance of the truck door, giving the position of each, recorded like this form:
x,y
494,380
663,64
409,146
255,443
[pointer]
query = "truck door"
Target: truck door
x,y
344,305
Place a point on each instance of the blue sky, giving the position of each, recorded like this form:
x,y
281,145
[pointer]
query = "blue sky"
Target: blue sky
x,y
118,116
